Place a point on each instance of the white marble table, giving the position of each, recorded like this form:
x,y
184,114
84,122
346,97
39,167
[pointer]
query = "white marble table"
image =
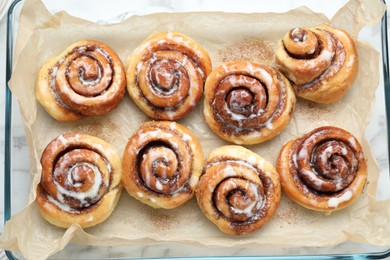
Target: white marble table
x,y
114,12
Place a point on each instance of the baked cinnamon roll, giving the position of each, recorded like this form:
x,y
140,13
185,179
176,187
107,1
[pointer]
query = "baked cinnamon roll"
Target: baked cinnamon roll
x,y
239,191
323,170
162,163
166,74
247,103
322,62
81,181
88,78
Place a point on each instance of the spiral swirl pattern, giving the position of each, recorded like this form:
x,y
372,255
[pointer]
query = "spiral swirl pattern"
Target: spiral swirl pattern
x,y
239,191
166,74
162,163
247,103
88,78
321,62
324,169
80,175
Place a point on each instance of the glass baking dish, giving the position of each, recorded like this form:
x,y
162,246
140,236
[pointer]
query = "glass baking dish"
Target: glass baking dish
x,y
16,173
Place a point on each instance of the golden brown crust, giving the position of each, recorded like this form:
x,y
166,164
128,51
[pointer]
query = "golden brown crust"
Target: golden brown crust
x,y
88,78
81,181
239,191
323,170
322,62
165,75
162,163
247,103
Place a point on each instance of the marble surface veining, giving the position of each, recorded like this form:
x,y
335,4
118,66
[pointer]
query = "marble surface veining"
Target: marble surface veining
x,y
112,11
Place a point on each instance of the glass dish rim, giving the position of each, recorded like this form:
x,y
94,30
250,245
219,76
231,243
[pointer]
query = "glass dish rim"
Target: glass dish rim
x,y
7,147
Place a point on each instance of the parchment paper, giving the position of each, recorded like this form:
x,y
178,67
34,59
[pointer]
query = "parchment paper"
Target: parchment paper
x,y
226,37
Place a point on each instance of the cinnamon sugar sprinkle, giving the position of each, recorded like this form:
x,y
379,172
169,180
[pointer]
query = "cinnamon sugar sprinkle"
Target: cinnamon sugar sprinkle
x,y
311,111
103,130
163,222
258,51
287,214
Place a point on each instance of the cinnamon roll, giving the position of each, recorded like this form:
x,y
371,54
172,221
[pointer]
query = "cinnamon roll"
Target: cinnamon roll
x,y
162,163
322,62
239,190
247,103
166,74
88,78
323,170
81,181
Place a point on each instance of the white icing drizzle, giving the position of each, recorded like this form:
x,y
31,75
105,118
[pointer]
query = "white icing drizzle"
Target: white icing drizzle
x,y
60,198
83,196
328,150
228,171
351,61
150,134
139,67
139,194
158,185
294,158
109,168
172,125
266,77
185,61
62,140
52,83
236,117
296,39
334,202
352,141
54,70
339,183
303,153
327,55
92,82
269,125
226,69
74,174
104,53
161,42
147,175
252,159
313,177
311,64
169,35
258,203
60,205
255,133
293,31
201,72
174,145
186,138
153,200
170,113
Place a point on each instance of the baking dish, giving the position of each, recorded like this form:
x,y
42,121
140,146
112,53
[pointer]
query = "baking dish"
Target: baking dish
x,y
15,201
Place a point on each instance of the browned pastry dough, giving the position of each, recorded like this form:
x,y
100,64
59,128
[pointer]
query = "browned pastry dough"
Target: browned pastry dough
x,y
322,62
88,78
81,181
323,170
166,74
239,191
247,103
162,163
